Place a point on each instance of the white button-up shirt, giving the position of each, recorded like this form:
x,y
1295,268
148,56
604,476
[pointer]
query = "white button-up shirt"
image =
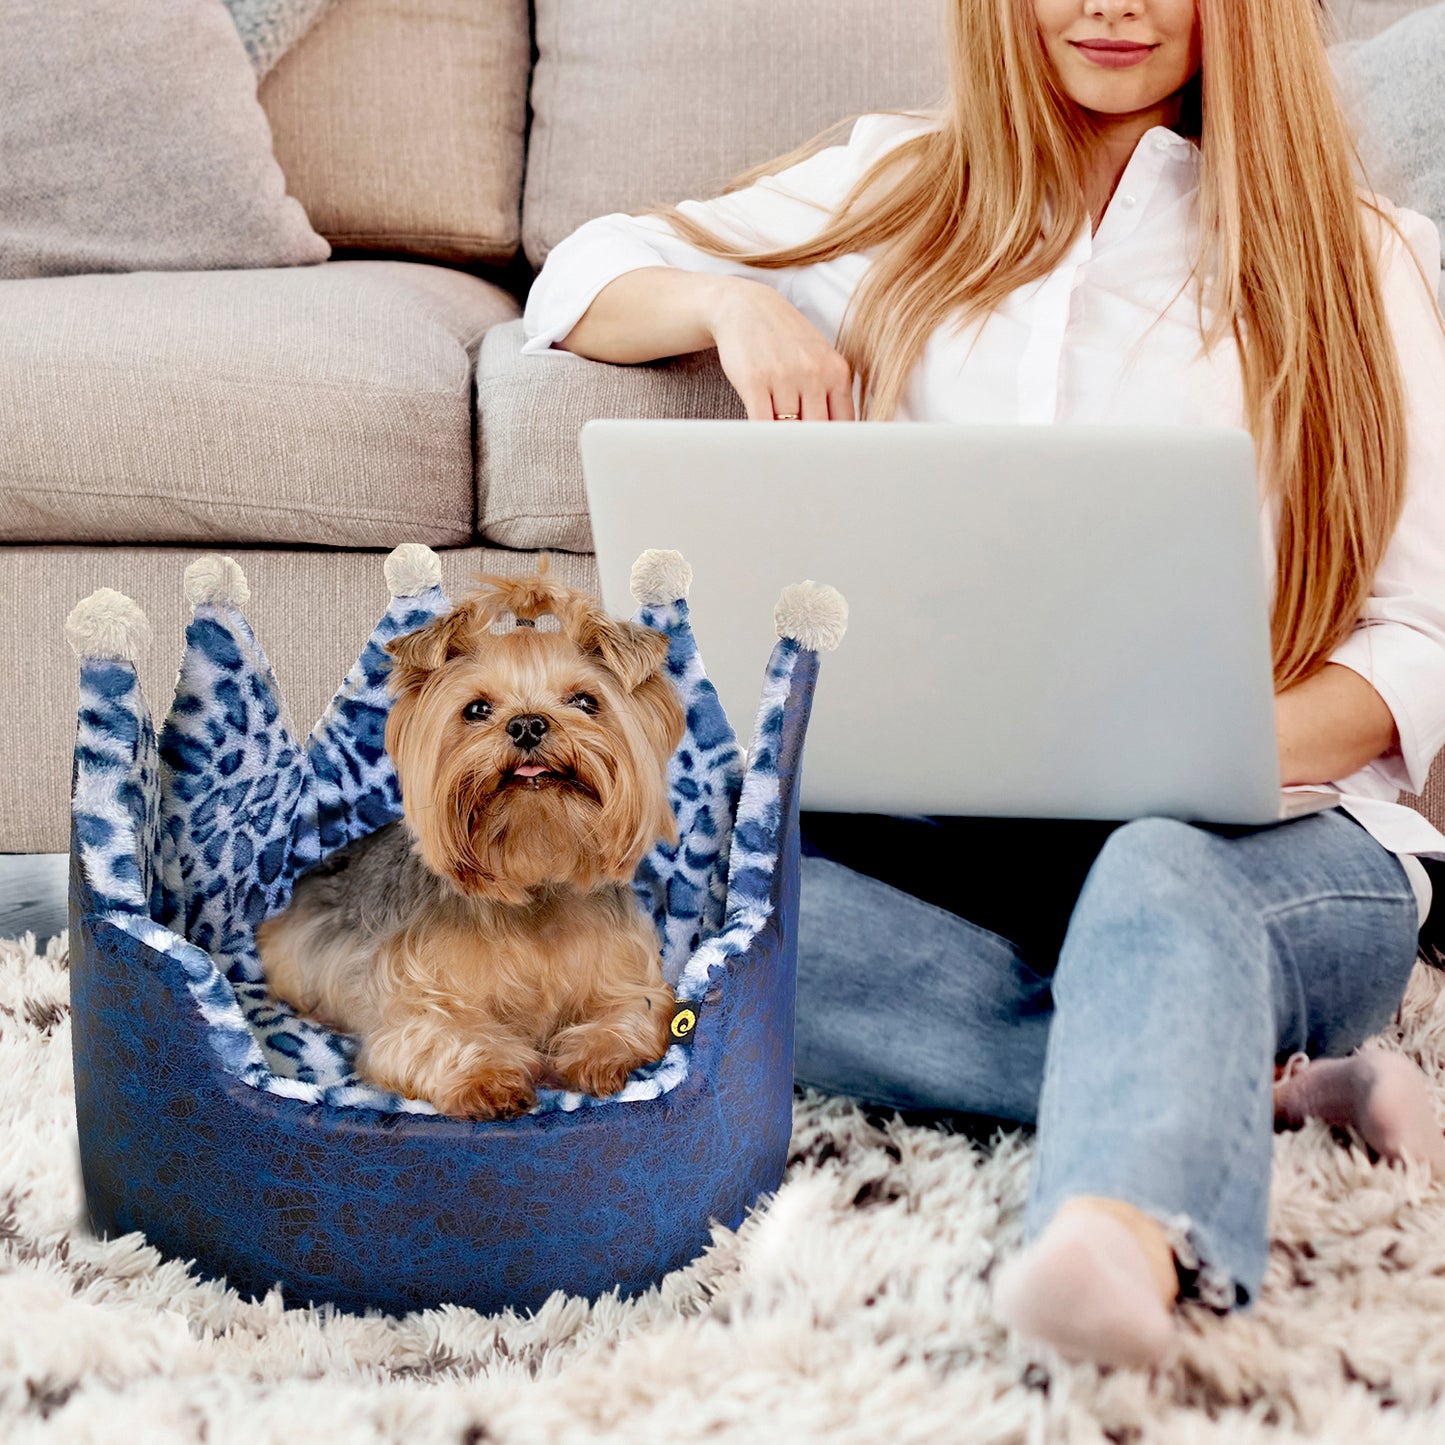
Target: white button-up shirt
x,y
1111,335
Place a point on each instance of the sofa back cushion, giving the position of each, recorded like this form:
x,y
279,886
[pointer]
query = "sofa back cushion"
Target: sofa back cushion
x,y
639,104
1391,85
400,125
269,30
1359,19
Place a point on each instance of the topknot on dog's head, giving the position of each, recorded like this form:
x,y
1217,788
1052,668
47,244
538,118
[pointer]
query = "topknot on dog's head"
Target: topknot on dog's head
x,y
632,652
525,598
461,631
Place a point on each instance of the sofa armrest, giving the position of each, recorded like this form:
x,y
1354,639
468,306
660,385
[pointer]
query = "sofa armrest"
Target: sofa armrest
x,y
530,410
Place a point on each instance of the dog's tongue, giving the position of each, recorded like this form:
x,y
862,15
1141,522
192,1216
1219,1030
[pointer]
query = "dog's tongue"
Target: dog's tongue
x,y
531,770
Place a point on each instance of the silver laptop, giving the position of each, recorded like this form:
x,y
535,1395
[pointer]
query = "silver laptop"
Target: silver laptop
x,y
1044,621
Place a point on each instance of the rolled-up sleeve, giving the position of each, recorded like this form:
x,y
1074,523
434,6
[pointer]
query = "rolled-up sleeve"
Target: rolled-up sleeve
x,y
1398,646
779,210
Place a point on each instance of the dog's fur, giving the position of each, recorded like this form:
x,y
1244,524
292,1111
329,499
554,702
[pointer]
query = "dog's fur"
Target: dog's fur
x,y
490,940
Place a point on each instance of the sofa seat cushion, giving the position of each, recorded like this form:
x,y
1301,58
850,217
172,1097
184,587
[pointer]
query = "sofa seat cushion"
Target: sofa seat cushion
x,y
325,405
530,410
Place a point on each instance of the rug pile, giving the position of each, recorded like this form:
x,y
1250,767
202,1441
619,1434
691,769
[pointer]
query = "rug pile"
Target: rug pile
x,y
852,1307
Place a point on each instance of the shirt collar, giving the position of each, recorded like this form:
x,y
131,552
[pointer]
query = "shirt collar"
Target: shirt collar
x,y
1170,143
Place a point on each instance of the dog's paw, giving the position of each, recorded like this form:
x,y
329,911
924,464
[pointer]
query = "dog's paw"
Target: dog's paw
x,y
491,1094
598,1077
597,1056
600,1066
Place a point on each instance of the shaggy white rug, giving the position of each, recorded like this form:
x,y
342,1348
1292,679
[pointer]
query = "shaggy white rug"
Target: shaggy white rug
x,y
852,1307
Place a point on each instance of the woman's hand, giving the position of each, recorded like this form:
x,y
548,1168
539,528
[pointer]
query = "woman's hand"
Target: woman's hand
x,y
1331,725
776,359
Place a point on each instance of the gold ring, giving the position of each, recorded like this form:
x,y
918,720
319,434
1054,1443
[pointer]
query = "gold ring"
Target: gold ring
x,y
786,416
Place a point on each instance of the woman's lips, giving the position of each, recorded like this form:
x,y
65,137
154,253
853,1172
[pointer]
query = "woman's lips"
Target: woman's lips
x,y
1113,54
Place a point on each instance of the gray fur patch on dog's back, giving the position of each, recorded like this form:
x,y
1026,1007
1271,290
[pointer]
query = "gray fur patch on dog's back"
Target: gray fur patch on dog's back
x,y
381,869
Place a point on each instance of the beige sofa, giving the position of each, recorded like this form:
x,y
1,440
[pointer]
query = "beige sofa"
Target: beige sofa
x,y
308,419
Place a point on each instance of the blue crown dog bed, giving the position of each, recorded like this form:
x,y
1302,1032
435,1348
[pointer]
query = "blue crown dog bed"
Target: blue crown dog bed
x,y
231,1132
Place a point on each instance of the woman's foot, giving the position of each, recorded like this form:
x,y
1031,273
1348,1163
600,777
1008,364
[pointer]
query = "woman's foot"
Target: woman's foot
x,y
1383,1096
1098,1284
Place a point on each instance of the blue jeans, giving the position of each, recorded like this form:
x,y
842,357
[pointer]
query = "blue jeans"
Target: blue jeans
x,y
1167,967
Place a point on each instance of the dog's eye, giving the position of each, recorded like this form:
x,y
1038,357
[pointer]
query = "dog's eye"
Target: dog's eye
x,y
478,710
583,700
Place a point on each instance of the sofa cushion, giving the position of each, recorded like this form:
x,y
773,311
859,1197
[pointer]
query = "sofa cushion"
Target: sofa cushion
x,y
530,410
640,104
326,405
268,29
1391,86
400,124
1359,19
130,139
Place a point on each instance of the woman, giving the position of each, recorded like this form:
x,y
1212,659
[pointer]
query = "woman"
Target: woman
x,y
1123,210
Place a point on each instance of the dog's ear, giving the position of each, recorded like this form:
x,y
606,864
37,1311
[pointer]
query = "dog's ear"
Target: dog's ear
x,y
638,812
663,719
630,651
415,655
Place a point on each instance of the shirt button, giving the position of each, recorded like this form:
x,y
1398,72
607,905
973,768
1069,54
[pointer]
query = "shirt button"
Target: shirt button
x,y
1161,143
1128,200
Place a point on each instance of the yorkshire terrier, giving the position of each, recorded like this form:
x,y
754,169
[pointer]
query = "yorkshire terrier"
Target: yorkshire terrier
x,y
489,940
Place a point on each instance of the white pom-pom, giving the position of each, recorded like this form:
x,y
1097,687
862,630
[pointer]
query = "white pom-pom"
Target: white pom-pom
x,y
218,580
660,575
411,569
814,613
107,624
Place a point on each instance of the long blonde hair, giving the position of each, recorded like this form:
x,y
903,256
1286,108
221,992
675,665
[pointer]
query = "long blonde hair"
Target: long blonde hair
x,y
992,198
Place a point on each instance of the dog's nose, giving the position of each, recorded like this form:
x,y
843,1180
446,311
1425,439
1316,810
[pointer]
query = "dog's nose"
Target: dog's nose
x,y
527,730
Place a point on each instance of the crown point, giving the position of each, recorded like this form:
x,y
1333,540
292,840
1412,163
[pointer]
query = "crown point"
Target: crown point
x,y
660,575
411,569
107,624
812,613
218,580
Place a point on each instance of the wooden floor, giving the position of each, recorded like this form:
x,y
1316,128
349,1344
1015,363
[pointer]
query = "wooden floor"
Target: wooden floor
x,y
33,895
